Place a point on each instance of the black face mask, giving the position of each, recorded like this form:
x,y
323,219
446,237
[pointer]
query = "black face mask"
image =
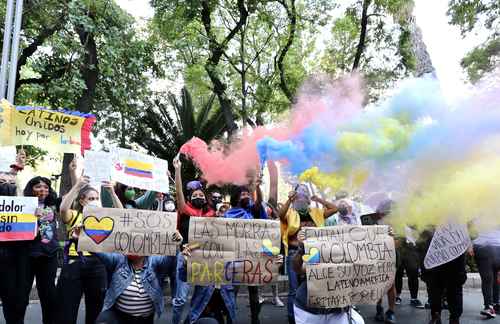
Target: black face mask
x,y
198,202
216,201
245,202
343,211
7,189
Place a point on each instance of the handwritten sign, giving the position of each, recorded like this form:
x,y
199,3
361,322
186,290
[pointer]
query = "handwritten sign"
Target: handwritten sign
x,y
97,166
7,157
348,265
448,243
58,130
17,218
128,231
140,170
233,251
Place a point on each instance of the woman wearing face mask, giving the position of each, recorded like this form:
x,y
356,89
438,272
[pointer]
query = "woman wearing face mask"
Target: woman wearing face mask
x,y
14,258
163,203
82,273
43,250
295,214
129,199
195,206
344,215
135,292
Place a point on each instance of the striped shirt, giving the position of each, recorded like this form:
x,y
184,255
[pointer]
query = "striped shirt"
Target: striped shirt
x,y
135,300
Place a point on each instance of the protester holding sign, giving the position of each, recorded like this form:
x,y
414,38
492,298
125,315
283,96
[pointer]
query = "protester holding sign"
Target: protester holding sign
x,y
195,206
295,214
135,292
446,279
305,314
43,250
82,273
14,259
243,207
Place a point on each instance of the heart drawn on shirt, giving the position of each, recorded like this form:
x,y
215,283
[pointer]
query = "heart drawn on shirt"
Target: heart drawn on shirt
x,y
268,248
312,257
98,230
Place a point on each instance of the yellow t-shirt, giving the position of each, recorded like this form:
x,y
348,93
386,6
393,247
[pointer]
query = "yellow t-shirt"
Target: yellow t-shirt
x,y
292,225
76,220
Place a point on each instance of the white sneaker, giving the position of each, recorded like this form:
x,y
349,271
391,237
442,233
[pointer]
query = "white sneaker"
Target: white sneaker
x,y
262,300
277,302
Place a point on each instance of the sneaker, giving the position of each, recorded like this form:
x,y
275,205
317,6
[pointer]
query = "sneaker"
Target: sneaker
x,y
489,312
277,302
262,300
390,318
398,300
379,317
416,303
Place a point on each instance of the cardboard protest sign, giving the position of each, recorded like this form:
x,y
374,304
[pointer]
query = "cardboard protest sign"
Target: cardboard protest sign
x,y
348,265
448,243
17,218
7,157
97,166
139,170
128,231
58,130
233,251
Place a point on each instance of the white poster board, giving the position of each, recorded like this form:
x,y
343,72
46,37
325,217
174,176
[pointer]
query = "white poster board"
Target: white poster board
x,y
7,157
97,166
448,243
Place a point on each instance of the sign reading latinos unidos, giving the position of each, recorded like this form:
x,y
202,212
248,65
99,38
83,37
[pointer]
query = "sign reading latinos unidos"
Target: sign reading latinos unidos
x,y
58,130
233,251
448,243
348,265
128,231
17,218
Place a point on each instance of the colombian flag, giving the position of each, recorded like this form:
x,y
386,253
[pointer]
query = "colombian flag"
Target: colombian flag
x,y
139,169
19,227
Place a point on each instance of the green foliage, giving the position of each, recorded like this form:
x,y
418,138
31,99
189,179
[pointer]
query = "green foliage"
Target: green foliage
x,y
472,14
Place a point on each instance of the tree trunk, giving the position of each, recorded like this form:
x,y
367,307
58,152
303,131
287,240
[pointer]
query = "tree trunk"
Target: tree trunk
x,y
292,29
362,35
423,59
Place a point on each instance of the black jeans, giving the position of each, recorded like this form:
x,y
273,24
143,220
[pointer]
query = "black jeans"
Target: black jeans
x,y
87,277
12,285
44,269
488,263
114,316
410,262
450,277
253,294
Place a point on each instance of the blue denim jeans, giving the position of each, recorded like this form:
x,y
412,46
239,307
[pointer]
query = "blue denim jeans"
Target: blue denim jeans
x,y
293,283
182,290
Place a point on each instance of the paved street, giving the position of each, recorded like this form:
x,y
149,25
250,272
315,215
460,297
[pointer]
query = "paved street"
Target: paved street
x,y
270,314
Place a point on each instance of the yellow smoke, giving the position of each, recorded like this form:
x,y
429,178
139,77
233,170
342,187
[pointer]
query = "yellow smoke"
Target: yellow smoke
x,y
344,179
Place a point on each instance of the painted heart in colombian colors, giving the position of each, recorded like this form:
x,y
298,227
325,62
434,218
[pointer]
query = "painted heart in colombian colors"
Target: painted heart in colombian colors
x,y
312,257
98,230
268,248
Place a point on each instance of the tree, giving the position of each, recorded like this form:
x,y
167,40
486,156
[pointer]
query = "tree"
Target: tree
x,y
373,37
87,56
249,53
470,15
167,124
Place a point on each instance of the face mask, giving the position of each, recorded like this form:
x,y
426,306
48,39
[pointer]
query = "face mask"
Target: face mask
x,y
343,211
7,189
129,194
134,258
170,207
198,202
94,203
216,201
245,202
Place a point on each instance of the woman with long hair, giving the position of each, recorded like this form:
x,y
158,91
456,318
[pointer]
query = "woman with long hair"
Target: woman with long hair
x,y
82,273
43,250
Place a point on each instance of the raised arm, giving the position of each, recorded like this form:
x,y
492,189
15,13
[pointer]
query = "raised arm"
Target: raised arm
x,y
181,202
109,188
283,211
69,198
330,208
72,171
273,183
